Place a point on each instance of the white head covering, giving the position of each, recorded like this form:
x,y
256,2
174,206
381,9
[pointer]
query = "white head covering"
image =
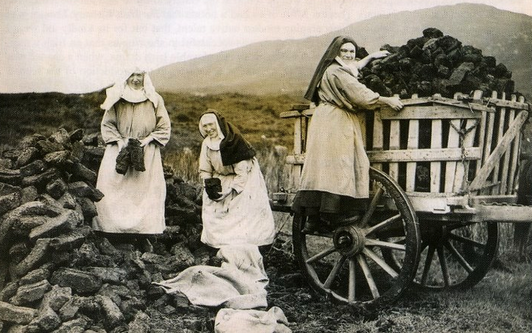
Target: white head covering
x,y
212,143
352,66
121,90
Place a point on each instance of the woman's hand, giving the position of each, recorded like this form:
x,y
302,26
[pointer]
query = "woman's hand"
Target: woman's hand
x,y
225,194
146,141
379,54
394,102
121,144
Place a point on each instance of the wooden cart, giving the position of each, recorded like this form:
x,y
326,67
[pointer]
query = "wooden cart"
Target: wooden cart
x,y
443,175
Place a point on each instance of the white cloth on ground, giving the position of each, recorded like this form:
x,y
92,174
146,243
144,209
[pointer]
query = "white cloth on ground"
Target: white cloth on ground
x,y
239,283
256,321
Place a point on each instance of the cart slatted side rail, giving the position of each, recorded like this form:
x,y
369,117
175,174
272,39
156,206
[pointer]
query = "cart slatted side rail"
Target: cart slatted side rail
x,y
437,148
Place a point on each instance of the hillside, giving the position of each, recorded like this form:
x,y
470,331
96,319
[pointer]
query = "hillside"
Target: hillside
x,y
274,67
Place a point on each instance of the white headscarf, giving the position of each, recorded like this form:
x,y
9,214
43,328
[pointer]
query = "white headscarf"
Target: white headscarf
x,y
213,144
121,90
352,66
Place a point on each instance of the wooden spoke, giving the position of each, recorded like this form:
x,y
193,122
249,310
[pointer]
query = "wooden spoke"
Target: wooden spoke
x,y
466,241
369,277
320,255
428,263
376,242
383,224
372,206
458,257
379,261
332,275
352,278
443,265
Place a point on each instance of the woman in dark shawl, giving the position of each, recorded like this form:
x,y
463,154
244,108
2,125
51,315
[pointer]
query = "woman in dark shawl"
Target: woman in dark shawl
x,y
336,170
236,207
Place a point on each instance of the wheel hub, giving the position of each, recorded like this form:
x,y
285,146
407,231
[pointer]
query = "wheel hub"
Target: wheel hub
x,y
349,240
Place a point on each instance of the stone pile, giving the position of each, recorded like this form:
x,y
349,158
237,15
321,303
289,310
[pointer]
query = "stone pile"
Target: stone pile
x,y
56,274
436,64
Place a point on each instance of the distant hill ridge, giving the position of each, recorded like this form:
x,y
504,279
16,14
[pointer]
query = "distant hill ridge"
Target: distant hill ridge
x,y
275,67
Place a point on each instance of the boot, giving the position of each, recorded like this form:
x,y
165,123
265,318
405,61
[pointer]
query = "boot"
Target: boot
x,y
137,154
123,161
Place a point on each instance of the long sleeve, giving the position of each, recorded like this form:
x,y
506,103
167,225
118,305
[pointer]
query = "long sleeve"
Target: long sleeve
x,y
109,127
205,165
341,88
162,130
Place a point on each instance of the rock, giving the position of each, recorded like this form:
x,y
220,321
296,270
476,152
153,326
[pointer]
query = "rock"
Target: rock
x,y
69,310
68,241
87,207
57,158
61,136
57,297
68,201
82,189
81,172
37,257
47,319
16,314
37,275
40,180
8,291
30,293
140,324
80,281
6,189
10,176
47,147
9,202
76,135
26,156
77,325
33,168
65,222
56,188
29,193
24,225
111,312
109,274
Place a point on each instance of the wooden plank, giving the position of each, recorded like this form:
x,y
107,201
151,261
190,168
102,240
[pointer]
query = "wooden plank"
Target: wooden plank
x,y
435,167
296,168
502,147
514,164
378,136
430,112
509,104
412,143
500,133
424,155
462,168
453,141
394,145
506,161
481,136
488,134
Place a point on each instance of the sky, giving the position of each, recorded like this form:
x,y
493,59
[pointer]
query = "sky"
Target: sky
x,y
78,46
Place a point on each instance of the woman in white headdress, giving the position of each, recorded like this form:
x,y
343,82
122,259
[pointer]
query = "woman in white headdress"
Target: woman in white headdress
x,y
133,201
238,210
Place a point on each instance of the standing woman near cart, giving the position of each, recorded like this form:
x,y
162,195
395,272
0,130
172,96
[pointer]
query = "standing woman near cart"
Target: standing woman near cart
x,y
134,128
335,175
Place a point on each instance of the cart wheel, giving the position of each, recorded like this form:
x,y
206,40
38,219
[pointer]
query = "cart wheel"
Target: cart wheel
x,y
347,264
456,256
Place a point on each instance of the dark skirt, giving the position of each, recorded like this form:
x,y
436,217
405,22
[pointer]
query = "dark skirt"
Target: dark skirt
x,y
318,202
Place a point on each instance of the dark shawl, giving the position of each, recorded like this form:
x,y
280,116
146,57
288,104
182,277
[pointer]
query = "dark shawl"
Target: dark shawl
x,y
328,58
233,148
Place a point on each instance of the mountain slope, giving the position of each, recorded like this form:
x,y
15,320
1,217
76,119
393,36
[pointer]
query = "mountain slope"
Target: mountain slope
x,y
286,66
